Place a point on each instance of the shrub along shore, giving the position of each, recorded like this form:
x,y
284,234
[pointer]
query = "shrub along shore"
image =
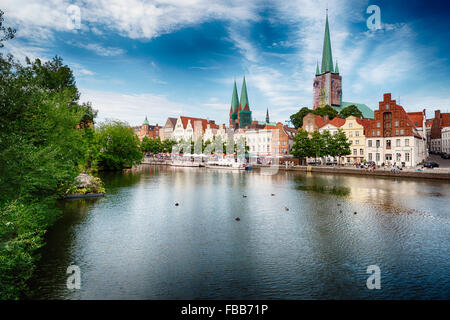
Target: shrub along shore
x,y
47,138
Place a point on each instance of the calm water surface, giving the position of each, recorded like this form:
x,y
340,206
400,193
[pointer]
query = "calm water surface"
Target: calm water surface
x,y
136,244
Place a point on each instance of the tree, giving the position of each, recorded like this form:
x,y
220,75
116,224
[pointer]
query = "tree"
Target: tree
x,y
41,151
297,118
5,33
341,144
328,143
119,146
167,145
351,110
152,145
302,147
326,111
318,145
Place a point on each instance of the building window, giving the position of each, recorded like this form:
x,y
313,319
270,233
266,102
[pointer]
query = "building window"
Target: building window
x,y
402,131
407,157
396,132
378,143
377,157
396,123
387,107
361,152
350,141
388,143
397,143
357,133
399,156
407,142
370,157
369,143
378,125
355,152
350,125
356,141
378,133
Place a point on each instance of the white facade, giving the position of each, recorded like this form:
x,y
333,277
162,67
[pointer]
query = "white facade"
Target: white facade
x,y
445,139
409,150
211,133
179,132
260,142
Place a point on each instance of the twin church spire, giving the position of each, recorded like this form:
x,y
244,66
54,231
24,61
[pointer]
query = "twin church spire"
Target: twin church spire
x,y
240,114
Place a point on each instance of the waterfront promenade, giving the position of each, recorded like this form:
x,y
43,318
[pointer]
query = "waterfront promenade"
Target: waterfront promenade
x,y
436,173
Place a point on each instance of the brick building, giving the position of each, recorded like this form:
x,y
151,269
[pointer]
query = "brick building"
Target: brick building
x,y
147,130
392,136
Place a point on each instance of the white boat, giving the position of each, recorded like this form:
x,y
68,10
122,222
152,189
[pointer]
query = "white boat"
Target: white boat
x,y
225,165
180,163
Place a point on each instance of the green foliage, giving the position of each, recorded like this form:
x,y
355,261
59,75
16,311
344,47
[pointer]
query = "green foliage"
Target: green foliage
x,y
342,146
297,118
351,110
326,111
320,144
119,146
167,145
6,33
151,145
46,139
302,147
22,228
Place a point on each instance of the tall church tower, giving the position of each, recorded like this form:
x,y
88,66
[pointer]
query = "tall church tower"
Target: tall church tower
x,y
245,115
234,108
327,82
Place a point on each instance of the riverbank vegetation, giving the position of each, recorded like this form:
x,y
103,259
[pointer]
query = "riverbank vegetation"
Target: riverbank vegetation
x,y
47,138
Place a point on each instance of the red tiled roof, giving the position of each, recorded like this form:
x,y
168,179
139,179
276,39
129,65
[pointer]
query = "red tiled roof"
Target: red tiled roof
x,y
416,118
185,121
364,122
337,122
320,121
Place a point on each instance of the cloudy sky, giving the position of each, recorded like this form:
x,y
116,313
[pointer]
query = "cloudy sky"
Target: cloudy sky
x,y
164,58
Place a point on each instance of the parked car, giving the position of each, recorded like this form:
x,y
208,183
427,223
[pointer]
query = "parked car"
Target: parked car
x,y
314,163
431,164
446,156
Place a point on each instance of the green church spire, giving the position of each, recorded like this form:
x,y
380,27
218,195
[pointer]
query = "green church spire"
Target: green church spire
x,y
336,70
317,69
146,121
234,99
244,98
327,57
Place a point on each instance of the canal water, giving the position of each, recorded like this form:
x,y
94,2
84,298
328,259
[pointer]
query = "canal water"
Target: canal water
x,y
298,237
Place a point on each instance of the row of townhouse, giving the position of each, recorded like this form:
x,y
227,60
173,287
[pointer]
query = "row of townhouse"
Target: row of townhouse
x,y
393,136
263,138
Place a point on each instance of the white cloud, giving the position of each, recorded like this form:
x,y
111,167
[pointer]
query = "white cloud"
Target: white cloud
x,y
132,108
99,49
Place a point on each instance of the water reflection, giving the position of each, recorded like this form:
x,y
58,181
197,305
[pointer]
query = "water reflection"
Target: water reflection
x,y
135,243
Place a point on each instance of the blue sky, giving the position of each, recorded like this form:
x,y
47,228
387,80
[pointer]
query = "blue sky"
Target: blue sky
x,y
166,58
